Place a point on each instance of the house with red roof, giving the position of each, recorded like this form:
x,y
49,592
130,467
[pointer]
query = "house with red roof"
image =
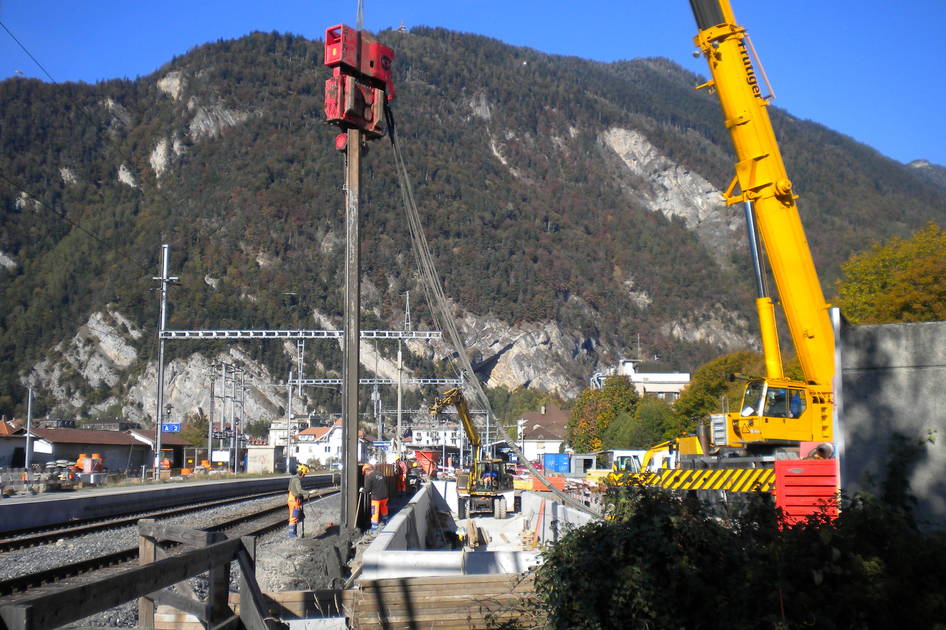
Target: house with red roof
x,y
12,444
322,445
542,431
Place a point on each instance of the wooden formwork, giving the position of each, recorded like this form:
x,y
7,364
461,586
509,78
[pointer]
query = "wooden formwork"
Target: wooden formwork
x,y
457,602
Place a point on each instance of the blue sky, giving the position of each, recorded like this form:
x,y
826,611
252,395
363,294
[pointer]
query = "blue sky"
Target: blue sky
x,y
871,69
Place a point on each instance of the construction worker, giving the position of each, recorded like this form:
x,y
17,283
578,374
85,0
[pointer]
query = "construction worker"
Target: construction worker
x,y
296,495
377,488
400,468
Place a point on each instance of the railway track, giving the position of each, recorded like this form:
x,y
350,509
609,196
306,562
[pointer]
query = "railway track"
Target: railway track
x,y
254,523
23,539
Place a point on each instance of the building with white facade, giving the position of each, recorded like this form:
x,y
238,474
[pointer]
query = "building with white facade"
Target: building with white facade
x,y
322,445
542,431
664,385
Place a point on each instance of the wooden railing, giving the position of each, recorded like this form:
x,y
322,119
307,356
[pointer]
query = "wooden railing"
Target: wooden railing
x,y
150,582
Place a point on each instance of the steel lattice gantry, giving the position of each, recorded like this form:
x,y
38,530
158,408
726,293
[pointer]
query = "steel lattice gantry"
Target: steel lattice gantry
x,y
377,381
297,334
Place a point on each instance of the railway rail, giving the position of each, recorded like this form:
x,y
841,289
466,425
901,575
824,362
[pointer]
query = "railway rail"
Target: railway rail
x,y
22,539
252,523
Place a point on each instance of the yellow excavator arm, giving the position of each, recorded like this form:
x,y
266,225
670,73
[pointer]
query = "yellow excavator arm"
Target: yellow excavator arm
x,y
762,183
455,397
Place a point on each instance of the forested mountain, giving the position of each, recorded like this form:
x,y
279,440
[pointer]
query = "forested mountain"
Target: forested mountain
x,y
571,205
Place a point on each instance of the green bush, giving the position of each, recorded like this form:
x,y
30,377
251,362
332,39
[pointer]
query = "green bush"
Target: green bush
x,y
669,561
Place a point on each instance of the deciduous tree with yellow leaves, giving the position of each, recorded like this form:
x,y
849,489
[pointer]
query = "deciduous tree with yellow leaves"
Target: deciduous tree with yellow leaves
x,y
902,280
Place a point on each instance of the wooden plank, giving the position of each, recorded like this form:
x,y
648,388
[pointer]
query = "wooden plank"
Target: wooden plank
x,y
51,610
252,606
186,604
168,618
432,599
219,589
147,553
472,592
174,533
507,587
466,623
431,606
425,620
448,579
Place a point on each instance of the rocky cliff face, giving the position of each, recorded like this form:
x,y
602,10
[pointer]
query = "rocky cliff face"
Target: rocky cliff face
x,y
98,374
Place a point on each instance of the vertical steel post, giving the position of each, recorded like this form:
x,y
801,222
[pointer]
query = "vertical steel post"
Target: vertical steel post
x,y
233,381
162,324
210,421
288,420
29,428
242,425
399,431
352,330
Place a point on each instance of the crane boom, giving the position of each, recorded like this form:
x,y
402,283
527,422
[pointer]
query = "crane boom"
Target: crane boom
x,y
761,180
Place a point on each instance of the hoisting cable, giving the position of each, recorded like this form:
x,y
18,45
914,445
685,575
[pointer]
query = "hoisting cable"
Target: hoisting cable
x,y
440,307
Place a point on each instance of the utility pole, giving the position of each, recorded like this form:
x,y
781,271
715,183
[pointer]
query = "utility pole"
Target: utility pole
x,y
29,427
400,377
162,324
289,419
210,420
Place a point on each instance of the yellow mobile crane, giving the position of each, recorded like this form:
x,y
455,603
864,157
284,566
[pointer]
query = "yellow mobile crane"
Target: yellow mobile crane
x,y
780,418
480,491
775,410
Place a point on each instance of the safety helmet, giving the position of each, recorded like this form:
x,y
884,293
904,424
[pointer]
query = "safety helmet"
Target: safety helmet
x,y
302,468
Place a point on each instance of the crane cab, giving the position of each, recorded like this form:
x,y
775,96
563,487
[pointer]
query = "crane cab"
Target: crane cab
x,y
780,410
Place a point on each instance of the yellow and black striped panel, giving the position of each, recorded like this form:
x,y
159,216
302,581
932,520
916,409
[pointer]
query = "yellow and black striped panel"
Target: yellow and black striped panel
x,y
727,479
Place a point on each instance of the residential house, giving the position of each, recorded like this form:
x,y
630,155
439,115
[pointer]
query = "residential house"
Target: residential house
x,y
542,431
323,445
12,444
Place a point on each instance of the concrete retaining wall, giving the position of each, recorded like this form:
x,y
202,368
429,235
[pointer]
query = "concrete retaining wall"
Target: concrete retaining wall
x,y
401,548
894,381
549,520
60,507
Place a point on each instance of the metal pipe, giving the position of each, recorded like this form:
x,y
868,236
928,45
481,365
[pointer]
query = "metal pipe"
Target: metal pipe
x,y
754,250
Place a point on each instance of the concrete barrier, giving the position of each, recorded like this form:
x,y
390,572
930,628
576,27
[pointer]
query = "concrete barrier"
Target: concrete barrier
x,y
403,548
62,507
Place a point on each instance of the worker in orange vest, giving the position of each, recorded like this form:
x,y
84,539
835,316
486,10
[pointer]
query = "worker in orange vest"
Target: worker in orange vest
x,y
377,488
296,496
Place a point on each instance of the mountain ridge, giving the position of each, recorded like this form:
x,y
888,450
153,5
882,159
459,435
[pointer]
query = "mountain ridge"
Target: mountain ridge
x,y
546,183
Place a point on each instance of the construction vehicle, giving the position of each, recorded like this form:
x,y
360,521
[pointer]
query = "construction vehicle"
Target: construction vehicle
x,y
779,418
479,491
776,411
611,464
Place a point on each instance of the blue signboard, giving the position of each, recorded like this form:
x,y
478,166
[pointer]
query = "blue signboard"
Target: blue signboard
x,y
381,445
170,428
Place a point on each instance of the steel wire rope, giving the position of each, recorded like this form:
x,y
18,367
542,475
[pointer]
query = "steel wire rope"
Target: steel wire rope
x,y
440,308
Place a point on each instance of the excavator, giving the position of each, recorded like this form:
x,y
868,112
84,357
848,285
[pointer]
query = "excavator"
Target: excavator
x,y
479,491
780,418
